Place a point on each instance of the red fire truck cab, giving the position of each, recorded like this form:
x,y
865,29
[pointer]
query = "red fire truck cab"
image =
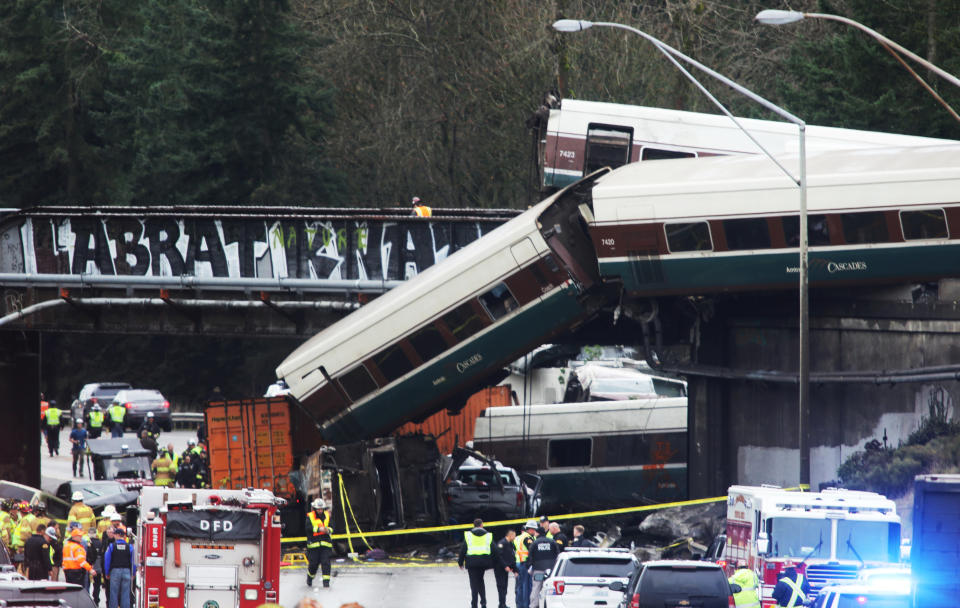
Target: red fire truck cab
x,y
207,548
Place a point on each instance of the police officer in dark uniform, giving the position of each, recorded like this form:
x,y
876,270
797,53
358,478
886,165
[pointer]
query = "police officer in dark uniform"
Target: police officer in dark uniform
x,y
119,566
36,555
543,554
319,542
476,554
95,556
505,561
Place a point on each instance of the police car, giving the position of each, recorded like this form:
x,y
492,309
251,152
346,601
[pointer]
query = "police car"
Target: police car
x,y
582,575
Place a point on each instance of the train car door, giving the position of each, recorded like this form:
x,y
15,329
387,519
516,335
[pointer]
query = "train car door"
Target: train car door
x,y
211,587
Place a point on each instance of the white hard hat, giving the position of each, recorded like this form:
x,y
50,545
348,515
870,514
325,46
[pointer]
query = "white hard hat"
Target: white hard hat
x,y
191,441
318,503
78,495
116,517
108,511
149,414
531,523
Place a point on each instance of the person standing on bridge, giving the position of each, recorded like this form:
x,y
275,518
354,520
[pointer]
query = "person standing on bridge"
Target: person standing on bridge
x,y
78,437
476,554
421,210
319,542
53,420
95,422
792,588
117,413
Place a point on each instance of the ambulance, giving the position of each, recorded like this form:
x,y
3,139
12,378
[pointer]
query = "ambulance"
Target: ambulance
x,y
207,548
830,535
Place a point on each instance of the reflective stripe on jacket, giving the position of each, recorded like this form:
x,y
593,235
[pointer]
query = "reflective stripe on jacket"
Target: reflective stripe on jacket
x,y
117,412
96,419
797,587
522,546
478,545
53,416
319,530
75,556
748,581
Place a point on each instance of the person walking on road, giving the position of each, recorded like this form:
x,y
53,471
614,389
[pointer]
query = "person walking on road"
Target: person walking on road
x,y
117,414
53,420
543,555
119,564
792,588
749,584
36,555
476,554
95,422
75,559
319,542
504,562
522,544
78,437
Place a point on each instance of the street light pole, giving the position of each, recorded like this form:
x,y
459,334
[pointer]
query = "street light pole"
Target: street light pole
x,y
779,17
672,54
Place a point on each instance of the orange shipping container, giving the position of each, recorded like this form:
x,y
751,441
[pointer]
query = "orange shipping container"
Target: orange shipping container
x,y
249,445
454,429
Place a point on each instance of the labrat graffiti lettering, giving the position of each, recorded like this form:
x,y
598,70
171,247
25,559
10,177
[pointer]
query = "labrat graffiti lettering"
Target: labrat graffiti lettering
x,y
210,247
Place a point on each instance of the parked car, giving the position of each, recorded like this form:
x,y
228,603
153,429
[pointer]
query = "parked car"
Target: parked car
x,y
95,393
669,583
141,401
99,493
864,595
56,508
14,592
582,575
477,486
122,459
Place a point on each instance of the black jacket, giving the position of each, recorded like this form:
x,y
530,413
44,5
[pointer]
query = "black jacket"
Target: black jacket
x,y
36,556
561,540
475,561
783,592
582,541
543,553
504,555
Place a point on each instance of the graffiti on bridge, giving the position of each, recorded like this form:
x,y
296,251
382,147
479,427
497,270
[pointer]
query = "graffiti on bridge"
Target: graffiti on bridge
x,y
210,247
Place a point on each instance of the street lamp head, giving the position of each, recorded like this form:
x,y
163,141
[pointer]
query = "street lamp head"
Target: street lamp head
x,y
571,25
776,17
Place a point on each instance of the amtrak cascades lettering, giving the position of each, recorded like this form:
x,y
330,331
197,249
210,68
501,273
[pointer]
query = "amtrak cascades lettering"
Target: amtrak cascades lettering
x,y
237,248
466,364
833,267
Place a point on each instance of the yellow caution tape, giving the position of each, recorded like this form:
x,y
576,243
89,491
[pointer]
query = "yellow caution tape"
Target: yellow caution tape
x,y
507,522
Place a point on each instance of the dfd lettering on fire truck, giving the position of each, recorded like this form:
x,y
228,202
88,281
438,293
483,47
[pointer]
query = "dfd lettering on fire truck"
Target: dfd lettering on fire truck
x,y
208,548
830,535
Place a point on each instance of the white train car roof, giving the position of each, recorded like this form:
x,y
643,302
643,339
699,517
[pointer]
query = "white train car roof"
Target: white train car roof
x,y
731,186
660,414
679,129
468,271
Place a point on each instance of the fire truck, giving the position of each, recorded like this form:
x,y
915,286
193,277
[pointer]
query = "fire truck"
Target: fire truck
x,y
830,535
207,548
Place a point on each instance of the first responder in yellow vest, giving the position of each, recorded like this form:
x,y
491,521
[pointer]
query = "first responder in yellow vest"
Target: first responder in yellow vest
x,y
117,413
749,584
52,421
26,525
319,542
476,555
421,210
524,582
95,425
163,470
81,513
792,588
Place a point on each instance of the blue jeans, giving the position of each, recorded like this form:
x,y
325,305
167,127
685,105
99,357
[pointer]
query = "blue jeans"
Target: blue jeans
x,y
524,583
119,588
116,430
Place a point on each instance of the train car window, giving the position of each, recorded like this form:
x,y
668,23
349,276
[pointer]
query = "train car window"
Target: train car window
x,y
659,154
868,227
817,233
498,301
692,236
428,342
569,452
607,146
392,362
924,224
463,322
747,233
357,383
655,449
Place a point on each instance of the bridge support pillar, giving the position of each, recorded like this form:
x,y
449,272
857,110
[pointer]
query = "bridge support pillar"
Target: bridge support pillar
x,y
20,399
708,421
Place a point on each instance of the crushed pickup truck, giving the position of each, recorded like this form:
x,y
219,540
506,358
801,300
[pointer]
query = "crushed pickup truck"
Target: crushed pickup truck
x,y
478,486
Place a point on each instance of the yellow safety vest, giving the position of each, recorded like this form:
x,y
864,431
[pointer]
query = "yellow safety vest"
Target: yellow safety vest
x,y
117,412
53,416
26,526
521,547
96,419
319,528
747,579
478,545
163,470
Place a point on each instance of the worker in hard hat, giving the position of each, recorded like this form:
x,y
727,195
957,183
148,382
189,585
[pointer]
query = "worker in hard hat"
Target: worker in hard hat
x,y
81,513
319,542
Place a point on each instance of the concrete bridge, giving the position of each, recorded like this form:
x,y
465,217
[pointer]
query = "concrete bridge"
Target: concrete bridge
x,y
882,358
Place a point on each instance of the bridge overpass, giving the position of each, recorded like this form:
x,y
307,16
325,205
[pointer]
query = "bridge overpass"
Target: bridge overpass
x,y
883,358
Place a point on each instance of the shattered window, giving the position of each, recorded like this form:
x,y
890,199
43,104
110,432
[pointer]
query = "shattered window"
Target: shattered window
x,y
569,453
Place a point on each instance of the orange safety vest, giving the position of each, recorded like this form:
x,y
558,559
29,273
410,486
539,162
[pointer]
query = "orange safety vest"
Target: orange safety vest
x,y
423,211
75,556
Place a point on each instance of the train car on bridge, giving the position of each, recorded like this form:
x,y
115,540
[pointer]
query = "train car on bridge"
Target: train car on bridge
x,y
577,137
732,223
433,341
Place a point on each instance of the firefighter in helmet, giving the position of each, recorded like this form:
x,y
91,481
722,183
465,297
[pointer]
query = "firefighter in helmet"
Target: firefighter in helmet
x,y
319,542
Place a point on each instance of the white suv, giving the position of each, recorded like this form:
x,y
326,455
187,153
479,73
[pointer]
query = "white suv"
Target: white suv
x,y
582,575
